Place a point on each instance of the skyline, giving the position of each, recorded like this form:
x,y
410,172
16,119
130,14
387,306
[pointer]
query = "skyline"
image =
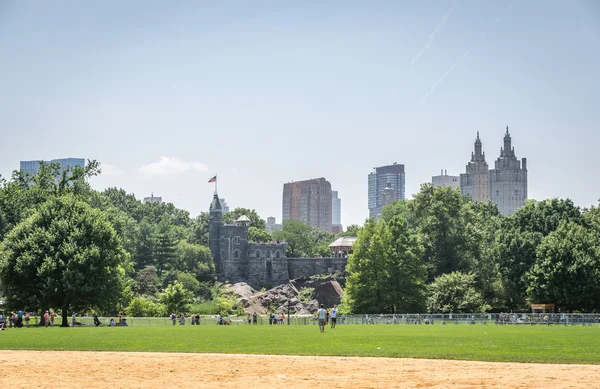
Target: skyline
x,y
165,97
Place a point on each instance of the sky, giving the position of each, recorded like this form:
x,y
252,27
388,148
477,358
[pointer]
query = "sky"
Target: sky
x,y
167,94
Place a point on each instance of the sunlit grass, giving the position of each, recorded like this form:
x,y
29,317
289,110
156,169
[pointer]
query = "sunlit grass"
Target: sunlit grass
x,y
556,344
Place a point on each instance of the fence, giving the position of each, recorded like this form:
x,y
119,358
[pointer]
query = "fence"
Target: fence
x,y
427,319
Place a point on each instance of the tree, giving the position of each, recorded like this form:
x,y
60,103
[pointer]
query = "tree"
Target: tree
x,y
257,235
199,229
66,255
144,246
195,259
515,248
255,220
147,281
351,230
385,272
296,235
455,293
164,247
567,269
175,297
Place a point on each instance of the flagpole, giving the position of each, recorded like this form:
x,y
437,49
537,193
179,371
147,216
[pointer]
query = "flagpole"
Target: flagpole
x,y
216,192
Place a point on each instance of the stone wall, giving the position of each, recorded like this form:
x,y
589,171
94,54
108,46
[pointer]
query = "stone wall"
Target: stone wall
x,y
306,267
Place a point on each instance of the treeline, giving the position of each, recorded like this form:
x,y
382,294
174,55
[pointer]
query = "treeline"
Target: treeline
x,y
441,252
67,247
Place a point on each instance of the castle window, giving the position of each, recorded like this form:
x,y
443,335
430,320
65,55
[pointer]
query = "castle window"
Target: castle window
x,y
268,253
222,253
258,254
236,239
236,254
277,254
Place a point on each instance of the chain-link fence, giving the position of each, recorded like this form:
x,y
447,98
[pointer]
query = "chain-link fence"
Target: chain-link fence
x,y
406,319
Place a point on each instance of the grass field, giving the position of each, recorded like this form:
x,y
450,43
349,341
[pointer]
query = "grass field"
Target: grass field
x,y
542,344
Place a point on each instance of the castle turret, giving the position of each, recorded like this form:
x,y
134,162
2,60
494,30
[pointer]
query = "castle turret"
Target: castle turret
x,y
214,235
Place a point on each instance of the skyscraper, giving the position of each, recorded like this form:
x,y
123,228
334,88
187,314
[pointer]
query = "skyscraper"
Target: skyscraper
x,y
336,211
379,180
475,182
308,201
508,179
32,167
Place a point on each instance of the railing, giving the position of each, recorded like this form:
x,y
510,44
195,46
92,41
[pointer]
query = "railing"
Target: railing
x,y
426,319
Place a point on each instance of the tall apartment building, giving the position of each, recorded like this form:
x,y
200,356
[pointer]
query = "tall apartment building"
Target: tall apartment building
x,y
308,201
336,212
445,180
152,199
391,177
32,167
505,184
508,179
475,182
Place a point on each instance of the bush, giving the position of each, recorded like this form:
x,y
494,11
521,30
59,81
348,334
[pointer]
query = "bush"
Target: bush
x,y
143,307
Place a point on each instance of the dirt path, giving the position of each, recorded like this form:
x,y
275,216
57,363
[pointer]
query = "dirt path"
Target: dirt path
x,y
33,369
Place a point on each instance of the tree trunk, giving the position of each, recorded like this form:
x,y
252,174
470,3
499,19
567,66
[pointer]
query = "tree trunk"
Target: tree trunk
x,y
65,317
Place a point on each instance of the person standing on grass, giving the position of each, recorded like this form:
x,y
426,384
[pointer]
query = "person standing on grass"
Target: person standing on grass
x,y
321,313
334,313
27,319
254,318
46,319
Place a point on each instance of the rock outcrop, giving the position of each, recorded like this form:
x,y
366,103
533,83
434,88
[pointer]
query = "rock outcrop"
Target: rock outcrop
x,y
301,296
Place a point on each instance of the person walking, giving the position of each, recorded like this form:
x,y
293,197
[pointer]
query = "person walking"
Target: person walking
x,y
333,314
321,317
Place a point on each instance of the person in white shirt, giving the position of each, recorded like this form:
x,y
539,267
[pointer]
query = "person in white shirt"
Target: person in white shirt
x,y
321,316
333,314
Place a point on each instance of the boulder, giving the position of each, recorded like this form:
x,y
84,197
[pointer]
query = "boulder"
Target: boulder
x,y
328,293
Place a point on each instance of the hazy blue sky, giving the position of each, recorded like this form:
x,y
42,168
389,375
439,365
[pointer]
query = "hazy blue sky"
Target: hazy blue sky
x,y
166,94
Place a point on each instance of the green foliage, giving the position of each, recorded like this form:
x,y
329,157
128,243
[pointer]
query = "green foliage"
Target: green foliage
x,y
302,240
385,273
144,307
188,280
147,281
567,269
65,256
295,233
195,259
257,235
306,294
175,297
205,308
351,230
255,220
455,293
199,229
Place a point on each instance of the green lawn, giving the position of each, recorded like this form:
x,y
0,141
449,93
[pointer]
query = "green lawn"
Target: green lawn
x,y
543,344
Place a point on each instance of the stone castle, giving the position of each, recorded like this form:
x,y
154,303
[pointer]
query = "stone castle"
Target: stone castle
x,y
505,184
258,264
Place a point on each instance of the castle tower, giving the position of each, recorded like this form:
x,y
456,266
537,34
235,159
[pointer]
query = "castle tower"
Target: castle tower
x,y
474,183
214,234
508,179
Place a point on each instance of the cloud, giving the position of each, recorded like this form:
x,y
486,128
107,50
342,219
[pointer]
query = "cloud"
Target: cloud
x,y
110,170
448,72
168,166
435,31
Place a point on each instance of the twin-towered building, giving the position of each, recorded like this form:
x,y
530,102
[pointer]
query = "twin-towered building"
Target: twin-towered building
x,y
505,184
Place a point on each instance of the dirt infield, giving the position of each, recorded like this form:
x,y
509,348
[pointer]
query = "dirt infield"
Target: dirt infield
x,y
68,369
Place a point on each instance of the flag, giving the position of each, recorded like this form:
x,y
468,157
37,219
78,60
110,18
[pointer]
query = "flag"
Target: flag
x,y
214,179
